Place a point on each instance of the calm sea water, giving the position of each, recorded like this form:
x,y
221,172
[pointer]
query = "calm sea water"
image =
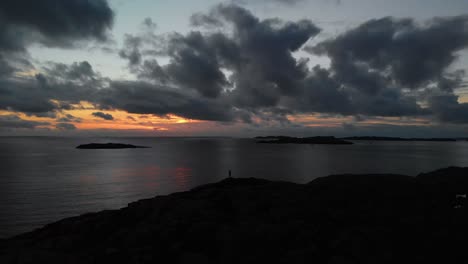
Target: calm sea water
x,y
46,179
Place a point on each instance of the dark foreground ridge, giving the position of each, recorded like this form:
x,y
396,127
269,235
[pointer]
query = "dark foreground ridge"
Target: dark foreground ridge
x,y
108,146
401,139
336,219
306,140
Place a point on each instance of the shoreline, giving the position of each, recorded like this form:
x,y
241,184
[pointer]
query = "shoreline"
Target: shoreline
x,y
338,217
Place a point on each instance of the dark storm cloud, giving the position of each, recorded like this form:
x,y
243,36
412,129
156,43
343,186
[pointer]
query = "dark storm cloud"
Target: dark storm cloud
x,y
378,68
44,114
380,59
259,53
53,22
151,70
195,65
13,121
65,126
448,110
5,68
60,86
387,102
103,115
235,66
322,93
69,118
77,71
147,98
408,53
235,72
286,2
24,96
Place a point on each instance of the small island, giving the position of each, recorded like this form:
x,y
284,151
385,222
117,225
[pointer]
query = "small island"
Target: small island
x,y
109,146
306,140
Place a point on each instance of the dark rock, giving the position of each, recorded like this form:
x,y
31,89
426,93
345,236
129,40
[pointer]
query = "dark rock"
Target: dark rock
x,y
400,139
335,219
108,146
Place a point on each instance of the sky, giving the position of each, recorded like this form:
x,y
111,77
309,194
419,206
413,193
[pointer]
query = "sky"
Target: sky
x,y
234,68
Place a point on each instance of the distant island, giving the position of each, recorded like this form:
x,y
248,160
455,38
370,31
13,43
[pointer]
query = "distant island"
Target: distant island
x,y
345,140
372,138
380,218
108,146
305,140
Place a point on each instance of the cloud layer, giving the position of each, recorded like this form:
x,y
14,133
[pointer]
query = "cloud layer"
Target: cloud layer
x,y
103,116
53,22
234,67
384,67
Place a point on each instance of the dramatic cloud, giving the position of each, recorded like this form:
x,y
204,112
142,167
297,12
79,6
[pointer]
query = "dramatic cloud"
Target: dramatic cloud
x,y
147,98
69,118
195,65
13,121
447,109
54,23
382,60
385,67
412,55
60,86
323,94
235,67
251,67
65,126
103,115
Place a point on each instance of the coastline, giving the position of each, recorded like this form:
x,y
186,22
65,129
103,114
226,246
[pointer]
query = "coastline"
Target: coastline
x,y
336,219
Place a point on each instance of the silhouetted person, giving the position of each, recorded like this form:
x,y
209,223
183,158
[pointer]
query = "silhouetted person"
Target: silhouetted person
x,y
230,174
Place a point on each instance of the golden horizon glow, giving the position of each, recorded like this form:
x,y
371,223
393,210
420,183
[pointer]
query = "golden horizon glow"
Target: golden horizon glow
x,y
83,119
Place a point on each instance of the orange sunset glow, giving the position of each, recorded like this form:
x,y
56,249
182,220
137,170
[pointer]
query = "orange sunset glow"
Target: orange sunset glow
x,y
83,119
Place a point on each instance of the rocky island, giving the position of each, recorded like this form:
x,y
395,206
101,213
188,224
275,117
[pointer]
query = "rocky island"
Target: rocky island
x,y
108,146
401,139
305,140
335,219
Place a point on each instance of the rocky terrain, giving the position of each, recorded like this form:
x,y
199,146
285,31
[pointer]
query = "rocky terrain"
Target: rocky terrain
x,y
337,219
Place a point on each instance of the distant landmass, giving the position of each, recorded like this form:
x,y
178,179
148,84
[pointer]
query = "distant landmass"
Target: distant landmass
x,y
306,140
400,139
108,146
344,140
380,218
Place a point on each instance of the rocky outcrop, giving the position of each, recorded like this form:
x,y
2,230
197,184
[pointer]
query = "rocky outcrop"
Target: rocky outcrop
x,y
401,139
335,219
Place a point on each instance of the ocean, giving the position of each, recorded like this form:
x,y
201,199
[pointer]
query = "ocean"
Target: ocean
x,y
45,179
